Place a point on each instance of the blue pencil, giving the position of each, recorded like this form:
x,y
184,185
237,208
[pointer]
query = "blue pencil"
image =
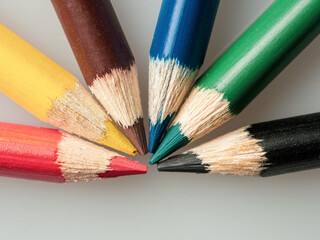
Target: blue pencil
x,y
178,49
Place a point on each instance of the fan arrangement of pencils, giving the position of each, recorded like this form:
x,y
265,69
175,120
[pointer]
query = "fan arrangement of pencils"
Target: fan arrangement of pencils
x,y
182,107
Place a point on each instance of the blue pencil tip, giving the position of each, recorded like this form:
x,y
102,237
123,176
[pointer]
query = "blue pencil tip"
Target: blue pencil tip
x,y
157,131
153,141
172,141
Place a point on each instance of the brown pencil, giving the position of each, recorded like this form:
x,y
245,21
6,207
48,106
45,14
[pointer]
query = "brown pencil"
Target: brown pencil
x,y
106,61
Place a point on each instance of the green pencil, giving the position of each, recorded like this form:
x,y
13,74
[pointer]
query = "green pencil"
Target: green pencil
x,y
243,71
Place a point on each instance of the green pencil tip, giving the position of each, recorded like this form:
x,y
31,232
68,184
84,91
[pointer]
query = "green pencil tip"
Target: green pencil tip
x,y
172,141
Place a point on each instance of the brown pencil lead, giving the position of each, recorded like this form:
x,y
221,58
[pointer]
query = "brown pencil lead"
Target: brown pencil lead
x,y
137,136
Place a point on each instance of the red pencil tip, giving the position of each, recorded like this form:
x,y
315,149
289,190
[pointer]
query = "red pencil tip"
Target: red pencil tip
x,y
121,166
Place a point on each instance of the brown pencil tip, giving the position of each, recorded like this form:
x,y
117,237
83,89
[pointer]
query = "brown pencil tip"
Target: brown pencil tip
x,y
136,135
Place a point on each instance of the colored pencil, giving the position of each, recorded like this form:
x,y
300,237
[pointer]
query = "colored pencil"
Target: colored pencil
x,y
52,94
106,61
51,155
243,71
178,49
262,149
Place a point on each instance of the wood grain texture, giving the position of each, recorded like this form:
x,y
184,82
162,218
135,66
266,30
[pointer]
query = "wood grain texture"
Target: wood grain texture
x,y
279,35
54,156
267,47
262,149
177,53
52,94
106,61
25,69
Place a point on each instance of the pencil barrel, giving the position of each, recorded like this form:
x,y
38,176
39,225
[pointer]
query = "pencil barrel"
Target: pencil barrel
x,y
52,94
177,52
51,155
106,61
290,145
261,149
95,36
243,71
263,51
183,31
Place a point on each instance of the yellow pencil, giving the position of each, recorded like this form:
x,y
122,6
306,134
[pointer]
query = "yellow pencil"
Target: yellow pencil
x,y
52,94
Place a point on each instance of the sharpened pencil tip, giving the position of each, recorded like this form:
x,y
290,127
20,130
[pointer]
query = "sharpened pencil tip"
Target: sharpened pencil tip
x,y
114,138
172,141
157,131
121,166
183,163
136,135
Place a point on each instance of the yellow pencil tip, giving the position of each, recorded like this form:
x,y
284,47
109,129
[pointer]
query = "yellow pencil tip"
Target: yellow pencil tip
x,y
114,138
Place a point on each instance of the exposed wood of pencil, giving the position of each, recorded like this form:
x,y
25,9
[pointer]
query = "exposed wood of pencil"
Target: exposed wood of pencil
x,y
54,156
265,149
178,49
106,61
254,60
52,94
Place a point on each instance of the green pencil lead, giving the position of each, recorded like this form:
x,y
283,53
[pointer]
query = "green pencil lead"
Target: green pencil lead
x,y
172,141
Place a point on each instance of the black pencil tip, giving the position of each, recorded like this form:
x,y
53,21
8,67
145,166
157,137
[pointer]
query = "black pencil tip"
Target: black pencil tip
x,y
183,163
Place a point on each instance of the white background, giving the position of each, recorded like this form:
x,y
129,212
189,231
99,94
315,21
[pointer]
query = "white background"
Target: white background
x,y
163,205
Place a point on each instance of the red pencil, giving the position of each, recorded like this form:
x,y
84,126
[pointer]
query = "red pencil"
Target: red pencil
x,y
54,156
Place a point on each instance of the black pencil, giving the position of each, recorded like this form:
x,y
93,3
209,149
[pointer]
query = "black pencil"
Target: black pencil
x,y
262,149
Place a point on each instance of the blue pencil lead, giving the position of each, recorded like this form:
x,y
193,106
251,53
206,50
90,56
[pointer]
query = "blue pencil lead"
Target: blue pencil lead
x,y
177,53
